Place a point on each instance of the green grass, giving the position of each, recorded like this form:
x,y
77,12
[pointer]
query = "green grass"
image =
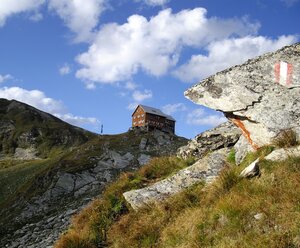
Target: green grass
x,y
92,224
222,215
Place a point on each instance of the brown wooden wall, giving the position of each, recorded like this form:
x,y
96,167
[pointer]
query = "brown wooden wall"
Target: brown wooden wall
x,y
139,118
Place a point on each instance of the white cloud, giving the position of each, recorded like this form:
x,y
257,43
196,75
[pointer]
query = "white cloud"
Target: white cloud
x,y
289,3
120,51
78,120
4,78
39,100
200,117
132,106
80,16
131,85
11,7
64,70
36,17
90,85
34,98
155,2
173,108
139,96
228,52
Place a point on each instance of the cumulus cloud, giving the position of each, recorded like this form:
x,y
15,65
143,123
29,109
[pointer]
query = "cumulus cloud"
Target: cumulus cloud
x,y
138,97
289,3
78,120
80,16
155,2
64,70
200,117
132,106
173,108
154,46
39,100
11,7
131,85
228,52
4,78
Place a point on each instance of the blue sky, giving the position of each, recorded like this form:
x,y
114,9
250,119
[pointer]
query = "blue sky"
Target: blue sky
x,y
90,62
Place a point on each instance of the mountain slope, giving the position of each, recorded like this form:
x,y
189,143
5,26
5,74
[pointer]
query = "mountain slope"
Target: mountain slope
x,y
22,126
70,166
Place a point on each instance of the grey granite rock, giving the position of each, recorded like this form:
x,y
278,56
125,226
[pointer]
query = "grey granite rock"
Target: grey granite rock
x,y
260,96
205,169
242,148
284,153
224,135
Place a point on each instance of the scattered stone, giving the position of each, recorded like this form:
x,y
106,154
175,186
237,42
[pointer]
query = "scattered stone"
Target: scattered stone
x,y
144,159
284,153
119,161
223,220
143,143
161,137
251,170
258,216
64,185
67,192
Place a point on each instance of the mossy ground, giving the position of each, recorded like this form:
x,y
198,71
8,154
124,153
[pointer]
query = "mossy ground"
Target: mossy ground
x,y
231,212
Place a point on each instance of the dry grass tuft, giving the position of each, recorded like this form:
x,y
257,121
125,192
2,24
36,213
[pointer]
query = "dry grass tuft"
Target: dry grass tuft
x,y
232,212
286,138
89,228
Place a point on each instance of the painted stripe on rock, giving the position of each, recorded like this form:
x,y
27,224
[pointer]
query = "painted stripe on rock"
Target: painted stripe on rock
x,y
284,73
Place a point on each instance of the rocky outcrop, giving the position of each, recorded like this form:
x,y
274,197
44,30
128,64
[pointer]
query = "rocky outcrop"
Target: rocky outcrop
x,y
205,169
25,127
260,96
284,153
70,185
25,154
242,148
225,135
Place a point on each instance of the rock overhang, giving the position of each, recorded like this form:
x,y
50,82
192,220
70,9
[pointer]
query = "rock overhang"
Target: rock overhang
x,y
260,96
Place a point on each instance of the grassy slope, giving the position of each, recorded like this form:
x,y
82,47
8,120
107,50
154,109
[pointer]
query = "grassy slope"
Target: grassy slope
x,y
220,216
46,131
21,180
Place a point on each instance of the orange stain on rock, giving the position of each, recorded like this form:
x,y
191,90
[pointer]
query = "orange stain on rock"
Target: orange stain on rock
x,y
245,132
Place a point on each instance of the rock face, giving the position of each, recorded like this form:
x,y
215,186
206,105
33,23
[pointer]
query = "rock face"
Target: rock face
x,y
25,129
260,96
242,148
74,180
205,169
225,135
284,153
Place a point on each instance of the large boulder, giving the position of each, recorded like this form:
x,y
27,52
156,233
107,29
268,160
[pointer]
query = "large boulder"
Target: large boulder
x,y
205,169
260,96
224,135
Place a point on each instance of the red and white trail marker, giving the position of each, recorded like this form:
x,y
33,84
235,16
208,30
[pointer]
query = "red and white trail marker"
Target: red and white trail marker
x,y
284,73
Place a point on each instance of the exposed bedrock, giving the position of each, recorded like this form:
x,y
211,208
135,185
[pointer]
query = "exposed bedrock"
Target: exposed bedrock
x,y
261,96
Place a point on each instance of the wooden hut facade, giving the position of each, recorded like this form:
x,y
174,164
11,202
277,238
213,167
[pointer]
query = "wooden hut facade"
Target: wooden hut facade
x,y
152,118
